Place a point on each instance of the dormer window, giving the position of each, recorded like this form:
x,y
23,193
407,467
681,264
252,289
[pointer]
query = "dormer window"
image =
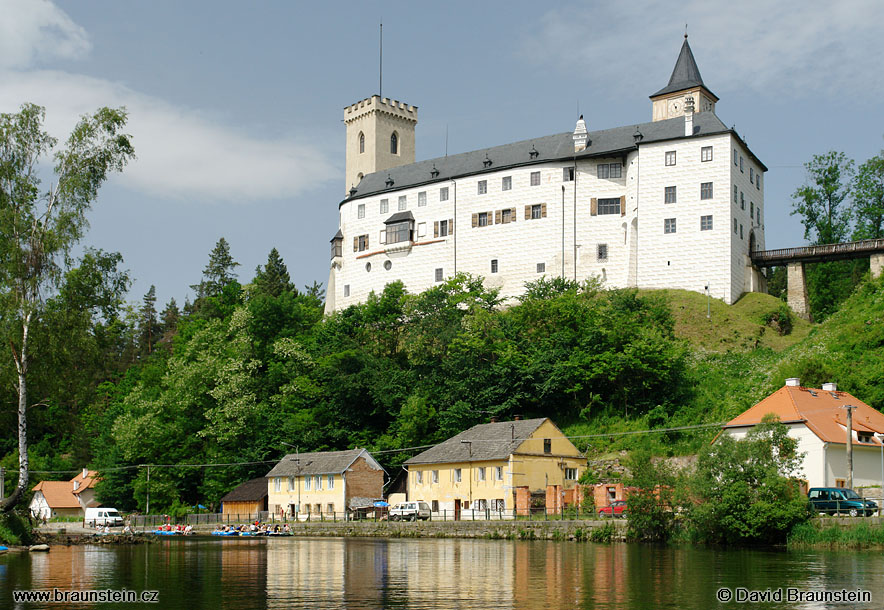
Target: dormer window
x,y
394,144
337,245
864,437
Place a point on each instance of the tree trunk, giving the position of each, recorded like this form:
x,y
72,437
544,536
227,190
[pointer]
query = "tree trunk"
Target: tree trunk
x,y
21,364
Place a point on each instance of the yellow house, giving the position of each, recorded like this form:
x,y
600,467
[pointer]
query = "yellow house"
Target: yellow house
x,y
483,467
323,483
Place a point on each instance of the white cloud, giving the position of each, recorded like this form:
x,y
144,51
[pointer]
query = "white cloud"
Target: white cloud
x,y
792,47
37,30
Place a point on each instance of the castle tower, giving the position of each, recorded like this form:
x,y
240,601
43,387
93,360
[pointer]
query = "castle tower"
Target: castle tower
x,y
669,102
380,135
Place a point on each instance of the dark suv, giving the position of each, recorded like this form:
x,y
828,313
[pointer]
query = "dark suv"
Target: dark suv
x,y
835,500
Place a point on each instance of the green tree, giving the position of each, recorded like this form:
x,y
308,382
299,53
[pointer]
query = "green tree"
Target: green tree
x,y
219,273
868,199
274,278
39,228
149,327
651,500
819,201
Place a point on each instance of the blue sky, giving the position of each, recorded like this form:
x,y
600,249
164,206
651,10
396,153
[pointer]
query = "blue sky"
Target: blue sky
x,y
236,108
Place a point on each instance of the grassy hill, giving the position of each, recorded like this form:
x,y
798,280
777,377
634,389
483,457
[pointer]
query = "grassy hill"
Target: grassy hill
x,y
737,358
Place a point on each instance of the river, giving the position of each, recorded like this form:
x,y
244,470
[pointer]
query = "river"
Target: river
x,y
330,573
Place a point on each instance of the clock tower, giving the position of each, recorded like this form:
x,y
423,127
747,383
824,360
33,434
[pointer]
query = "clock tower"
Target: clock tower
x,y
669,102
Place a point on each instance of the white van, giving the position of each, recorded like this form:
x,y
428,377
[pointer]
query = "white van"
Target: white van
x,y
99,517
411,511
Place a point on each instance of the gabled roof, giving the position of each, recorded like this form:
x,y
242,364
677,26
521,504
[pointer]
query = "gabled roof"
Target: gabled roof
x,y
614,142
58,494
484,442
320,462
821,411
254,490
685,75
86,481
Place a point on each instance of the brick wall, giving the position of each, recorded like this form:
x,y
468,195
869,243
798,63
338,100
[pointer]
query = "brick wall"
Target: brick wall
x,y
363,481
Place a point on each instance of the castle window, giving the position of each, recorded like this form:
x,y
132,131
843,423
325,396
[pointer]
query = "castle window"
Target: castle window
x,y
385,206
706,223
609,206
742,201
602,170
608,170
493,265
388,265
337,246
361,142
758,214
741,162
670,157
705,190
706,153
669,194
751,175
567,174
735,226
735,193
541,267
361,243
368,267
506,183
751,209
616,170
399,232
443,193
439,276
537,211
736,157
421,229
483,187
668,225
442,228
507,216
741,231
535,178
758,181
394,144
403,202
602,252
360,210
483,219
422,199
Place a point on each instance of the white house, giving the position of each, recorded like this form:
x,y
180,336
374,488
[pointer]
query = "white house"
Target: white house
x,y
677,202
817,418
64,498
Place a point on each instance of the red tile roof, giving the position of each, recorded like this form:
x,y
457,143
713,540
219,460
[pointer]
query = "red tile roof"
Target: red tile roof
x,y
58,494
821,411
85,482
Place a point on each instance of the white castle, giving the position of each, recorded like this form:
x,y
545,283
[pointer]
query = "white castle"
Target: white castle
x,y
674,203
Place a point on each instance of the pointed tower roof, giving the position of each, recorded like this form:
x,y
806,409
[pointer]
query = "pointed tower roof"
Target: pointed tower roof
x,y
686,74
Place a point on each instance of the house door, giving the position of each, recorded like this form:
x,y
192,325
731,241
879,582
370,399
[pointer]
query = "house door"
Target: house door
x,y
457,510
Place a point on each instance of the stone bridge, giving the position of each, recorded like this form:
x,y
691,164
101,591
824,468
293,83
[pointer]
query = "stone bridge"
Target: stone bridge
x,y
795,258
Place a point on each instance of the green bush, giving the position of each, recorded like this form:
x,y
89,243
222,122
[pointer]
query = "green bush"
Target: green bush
x,y
14,529
650,502
779,319
603,534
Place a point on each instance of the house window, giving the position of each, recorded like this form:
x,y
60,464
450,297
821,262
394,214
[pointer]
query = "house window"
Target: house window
x,y
346,290
362,242
669,225
541,267
277,484
435,506
330,508
536,211
742,201
443,193
506,183
331,481
422,199
483,187
291,483
705,190
394,144
609,206
571,474
360,210
498,473
493,265
317,508
602,171
318,480
403,202
483,219
457,475
498,505
736,157
439,274
419,477
436,478
480,474
706,223
385,206
741,163
670,157
864,437
669,195
535,178
307,481
706,153
602,252
567,174
506,216
399,232
547,445
361,142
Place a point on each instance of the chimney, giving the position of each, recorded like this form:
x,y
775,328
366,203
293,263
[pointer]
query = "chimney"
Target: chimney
x,y
85,472
830,387
580,135
689,116
793,382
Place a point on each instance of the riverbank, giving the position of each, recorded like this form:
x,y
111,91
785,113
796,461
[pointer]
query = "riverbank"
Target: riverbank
x,y
838,533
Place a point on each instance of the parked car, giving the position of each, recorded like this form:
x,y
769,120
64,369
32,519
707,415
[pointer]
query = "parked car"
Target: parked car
x,y
411,511
835,500
101,516
617,508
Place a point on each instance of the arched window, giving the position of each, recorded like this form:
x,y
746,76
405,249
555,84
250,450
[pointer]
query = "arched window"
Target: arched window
x,y
361,142
394,143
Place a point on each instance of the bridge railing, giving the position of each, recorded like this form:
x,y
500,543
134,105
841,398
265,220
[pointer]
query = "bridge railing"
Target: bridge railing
x,y
858,248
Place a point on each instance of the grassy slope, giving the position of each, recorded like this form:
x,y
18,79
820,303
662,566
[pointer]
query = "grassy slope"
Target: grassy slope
x,y
735,361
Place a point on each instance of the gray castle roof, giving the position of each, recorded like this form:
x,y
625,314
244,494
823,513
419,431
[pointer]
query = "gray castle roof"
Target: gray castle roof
x,y
495,441
320,462
686,74
604,143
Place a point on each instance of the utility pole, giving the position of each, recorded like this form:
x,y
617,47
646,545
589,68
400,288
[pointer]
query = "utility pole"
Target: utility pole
x,y
147,505
850,409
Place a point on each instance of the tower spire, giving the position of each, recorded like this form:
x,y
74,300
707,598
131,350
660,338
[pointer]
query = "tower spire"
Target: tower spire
x,y
685,81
